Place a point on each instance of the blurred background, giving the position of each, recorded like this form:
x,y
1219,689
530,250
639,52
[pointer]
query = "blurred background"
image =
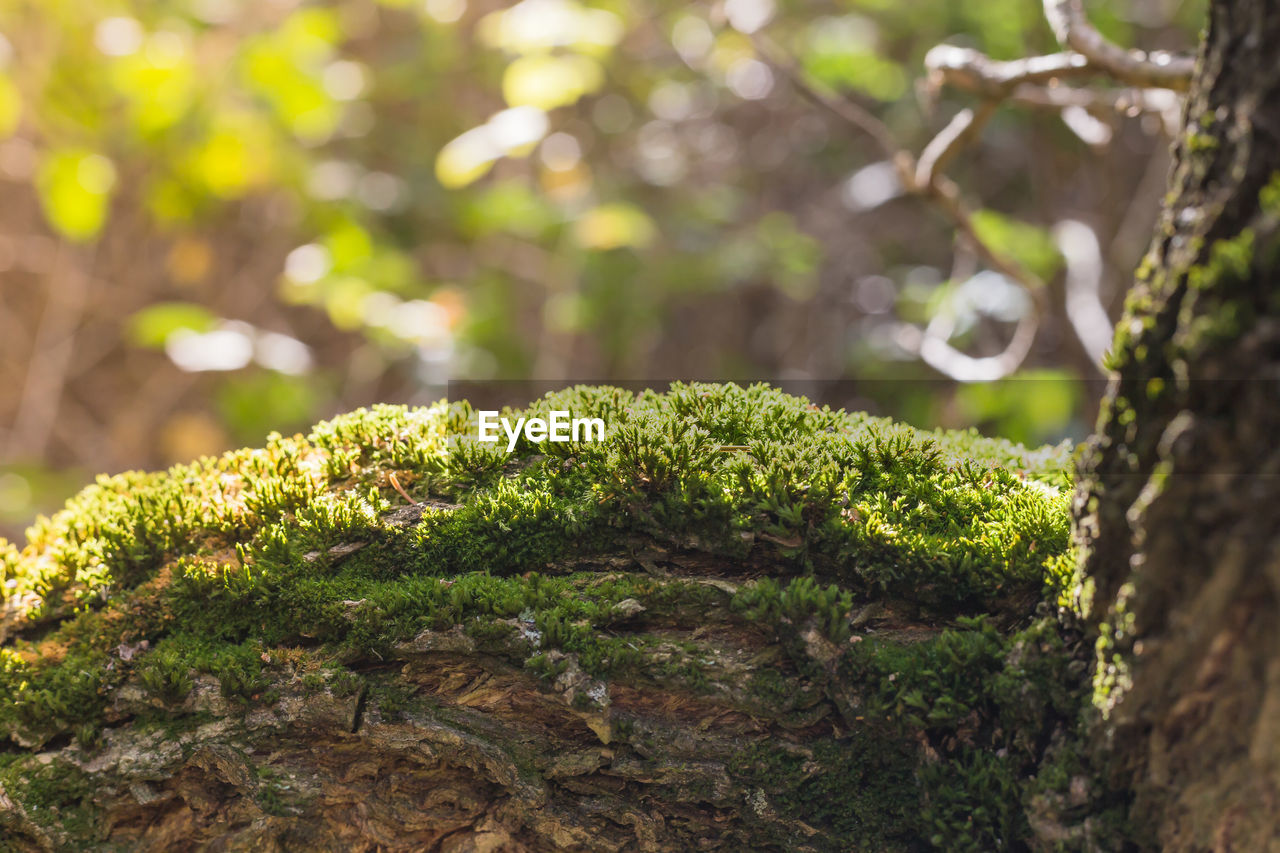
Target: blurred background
x,y
224,217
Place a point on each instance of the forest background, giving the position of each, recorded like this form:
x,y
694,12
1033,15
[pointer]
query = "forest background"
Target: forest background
x,y
220,218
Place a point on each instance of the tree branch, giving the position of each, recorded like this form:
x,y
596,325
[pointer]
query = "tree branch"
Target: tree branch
x,y
925,180
1129,101
851,113
959,132
974,71
1035,81
1088,316
1154,69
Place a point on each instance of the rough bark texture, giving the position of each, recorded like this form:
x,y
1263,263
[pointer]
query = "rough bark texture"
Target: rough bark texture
x,y
1179,508
739,623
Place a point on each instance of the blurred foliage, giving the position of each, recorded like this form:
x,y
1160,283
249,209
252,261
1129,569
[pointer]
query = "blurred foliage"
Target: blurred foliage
x,y
240,216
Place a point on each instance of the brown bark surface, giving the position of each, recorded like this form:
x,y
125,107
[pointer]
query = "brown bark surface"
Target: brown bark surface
x,y
848,641
1179,508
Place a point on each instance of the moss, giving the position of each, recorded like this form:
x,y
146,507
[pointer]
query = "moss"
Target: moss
x,y
53,792
1200,142
392,697
801,603
1219,304
274,793
558,555
166,673
973,803
983,704
860,789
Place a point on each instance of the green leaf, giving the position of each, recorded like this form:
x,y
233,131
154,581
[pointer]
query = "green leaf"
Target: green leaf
x,y
153,325
254,404
1029,245
509,206
1032,406
75,190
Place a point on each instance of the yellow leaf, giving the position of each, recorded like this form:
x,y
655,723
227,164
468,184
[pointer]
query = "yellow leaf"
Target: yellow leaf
x,y
538,26
75,190
235,156
612,226
10,107
466,159
546,81
159,82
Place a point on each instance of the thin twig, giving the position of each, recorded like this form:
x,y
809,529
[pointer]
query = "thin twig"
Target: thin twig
x,y
940,190
1036,81
959,132
946,195
974,71
928,183
1127,101
1157,68
1088,316
937,352
853,114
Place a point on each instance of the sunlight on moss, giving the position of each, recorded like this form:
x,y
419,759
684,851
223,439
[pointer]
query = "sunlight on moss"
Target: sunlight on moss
x,y
306,551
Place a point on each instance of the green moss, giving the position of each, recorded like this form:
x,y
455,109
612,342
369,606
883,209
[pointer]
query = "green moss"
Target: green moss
x,y
1200,142
1269,198
53,792
860,789
392,697
166,673
1219,303
801,603
973,803
274,794
560,555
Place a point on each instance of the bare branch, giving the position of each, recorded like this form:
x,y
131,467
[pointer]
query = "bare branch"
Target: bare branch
x,y
945,194
1035,82
1088,316
941,190
849,112
1158,68
942,356
933,343
925,180
974,71
1129,101
959,132
1156,77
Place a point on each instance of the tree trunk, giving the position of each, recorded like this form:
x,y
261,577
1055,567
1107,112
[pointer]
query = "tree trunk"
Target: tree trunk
x,y
1178,508
741,622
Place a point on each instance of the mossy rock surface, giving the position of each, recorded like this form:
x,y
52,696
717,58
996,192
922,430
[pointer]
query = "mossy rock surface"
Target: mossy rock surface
x,y
740,622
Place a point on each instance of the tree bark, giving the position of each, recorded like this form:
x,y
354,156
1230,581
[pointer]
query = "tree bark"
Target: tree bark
x,y
669,640
1178,508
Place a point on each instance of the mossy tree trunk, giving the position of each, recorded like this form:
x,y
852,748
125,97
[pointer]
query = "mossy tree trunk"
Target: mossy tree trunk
x,y
741,622
1179,501
839,639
